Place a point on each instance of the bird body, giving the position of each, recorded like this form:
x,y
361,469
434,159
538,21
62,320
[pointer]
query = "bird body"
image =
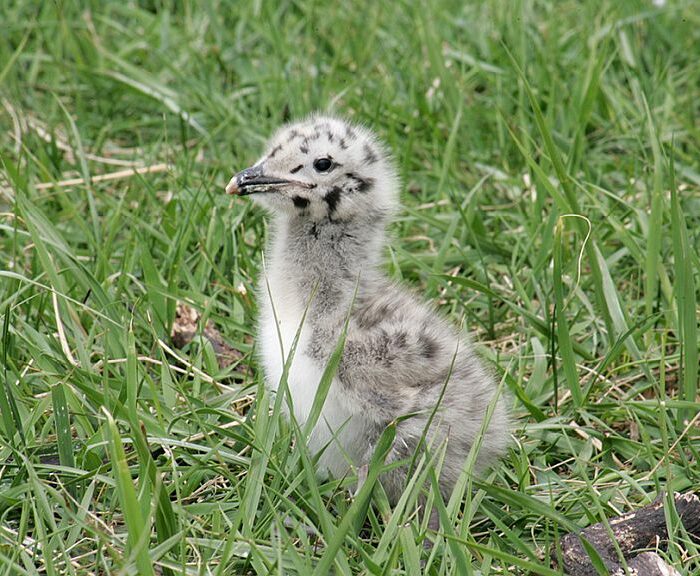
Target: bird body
x,y
331,188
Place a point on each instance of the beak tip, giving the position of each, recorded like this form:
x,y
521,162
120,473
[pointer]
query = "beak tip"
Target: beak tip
x,y
232,186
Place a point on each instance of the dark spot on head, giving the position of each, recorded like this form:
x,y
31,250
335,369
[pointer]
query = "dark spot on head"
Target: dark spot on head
x,y
332,198
330,135
274,151
428,346
370,156
343,144
293,134
300,202
295,170
304,148
313,231
363,184
349,132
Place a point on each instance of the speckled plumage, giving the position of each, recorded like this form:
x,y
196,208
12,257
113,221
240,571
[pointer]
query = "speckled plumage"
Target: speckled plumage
x,y
324,257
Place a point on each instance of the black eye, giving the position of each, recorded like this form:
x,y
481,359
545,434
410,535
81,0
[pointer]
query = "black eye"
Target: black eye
x,y
322,164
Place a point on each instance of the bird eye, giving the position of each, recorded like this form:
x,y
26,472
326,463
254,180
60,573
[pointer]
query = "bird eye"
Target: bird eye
x,y
322,164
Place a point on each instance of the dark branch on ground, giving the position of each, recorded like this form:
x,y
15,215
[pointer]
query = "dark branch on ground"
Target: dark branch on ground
x,y
634,533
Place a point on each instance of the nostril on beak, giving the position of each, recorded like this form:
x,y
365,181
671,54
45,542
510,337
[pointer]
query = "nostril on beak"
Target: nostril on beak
x,y
242,179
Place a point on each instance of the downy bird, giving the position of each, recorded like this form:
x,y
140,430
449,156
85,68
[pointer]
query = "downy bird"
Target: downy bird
x,y
330,188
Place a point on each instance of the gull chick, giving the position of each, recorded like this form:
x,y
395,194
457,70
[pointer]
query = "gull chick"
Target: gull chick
x,y
330,188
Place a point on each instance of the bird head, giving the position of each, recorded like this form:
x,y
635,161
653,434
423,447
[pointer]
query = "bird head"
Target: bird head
x,y
322,168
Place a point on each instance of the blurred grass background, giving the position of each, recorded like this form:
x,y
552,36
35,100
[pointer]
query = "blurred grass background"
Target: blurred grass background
x,y
550,157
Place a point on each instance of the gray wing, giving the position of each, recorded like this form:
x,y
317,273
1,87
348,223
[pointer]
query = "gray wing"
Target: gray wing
x,y
399,354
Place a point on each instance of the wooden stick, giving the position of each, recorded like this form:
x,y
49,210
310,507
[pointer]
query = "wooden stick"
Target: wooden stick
x,y
162,167
644,528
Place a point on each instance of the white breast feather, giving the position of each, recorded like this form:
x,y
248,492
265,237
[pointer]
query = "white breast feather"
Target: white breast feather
x,y
281,316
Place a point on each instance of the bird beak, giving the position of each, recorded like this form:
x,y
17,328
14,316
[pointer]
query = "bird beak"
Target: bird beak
x,y
252,180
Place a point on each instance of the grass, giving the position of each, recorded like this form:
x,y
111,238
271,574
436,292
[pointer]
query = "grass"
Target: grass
x,y
549,153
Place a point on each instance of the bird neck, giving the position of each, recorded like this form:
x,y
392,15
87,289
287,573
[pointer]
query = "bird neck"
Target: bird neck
x,y
330,258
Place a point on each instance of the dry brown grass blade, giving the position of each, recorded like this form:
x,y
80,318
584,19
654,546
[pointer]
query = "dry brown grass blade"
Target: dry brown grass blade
x,y
119,175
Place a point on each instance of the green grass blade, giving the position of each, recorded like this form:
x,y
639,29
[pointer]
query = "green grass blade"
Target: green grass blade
x,y
566,350
8,405
686,298
653,251
64,436
138,529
